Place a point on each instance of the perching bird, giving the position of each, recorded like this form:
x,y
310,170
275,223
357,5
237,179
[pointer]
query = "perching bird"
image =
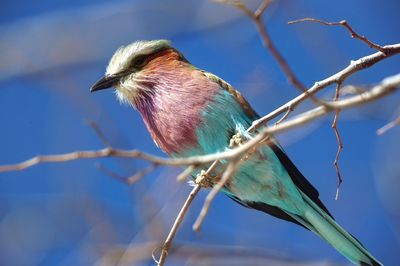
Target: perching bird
x,y
189,111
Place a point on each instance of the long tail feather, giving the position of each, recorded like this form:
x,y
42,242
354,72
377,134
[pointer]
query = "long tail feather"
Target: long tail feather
x,y
325,227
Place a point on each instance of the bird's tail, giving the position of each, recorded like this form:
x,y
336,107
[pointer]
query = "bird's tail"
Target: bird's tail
x,y
325,227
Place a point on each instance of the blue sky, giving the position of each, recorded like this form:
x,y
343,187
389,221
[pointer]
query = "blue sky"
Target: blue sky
x,y
71,213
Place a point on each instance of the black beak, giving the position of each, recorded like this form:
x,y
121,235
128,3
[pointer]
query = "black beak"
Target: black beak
x,y
105,82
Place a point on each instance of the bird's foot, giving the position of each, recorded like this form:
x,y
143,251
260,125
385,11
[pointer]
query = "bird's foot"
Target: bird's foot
x,y
236,140
203,179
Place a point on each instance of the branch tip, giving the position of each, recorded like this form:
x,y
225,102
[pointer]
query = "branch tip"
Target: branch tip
x,y
345,24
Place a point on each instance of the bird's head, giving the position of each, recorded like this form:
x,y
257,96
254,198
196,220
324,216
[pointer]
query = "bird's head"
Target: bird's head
x,y
126,71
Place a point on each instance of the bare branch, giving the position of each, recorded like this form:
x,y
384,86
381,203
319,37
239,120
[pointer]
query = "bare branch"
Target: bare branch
x,y
278,57
98,132
388,126
386,86
88,154
185,173
348,27
266,39
128,180
177,223
340,143
288,111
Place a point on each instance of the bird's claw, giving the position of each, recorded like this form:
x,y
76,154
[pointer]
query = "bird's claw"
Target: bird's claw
x,y
203,179
236,140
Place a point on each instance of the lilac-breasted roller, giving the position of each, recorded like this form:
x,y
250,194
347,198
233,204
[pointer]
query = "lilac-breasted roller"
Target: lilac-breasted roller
x,y
189,111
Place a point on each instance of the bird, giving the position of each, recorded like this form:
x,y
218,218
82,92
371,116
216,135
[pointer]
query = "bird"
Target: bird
x,y
189,112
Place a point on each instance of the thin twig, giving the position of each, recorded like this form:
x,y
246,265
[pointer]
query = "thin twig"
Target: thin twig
x,y
177,223
339,140
185,173
128,180
98,132
348,27
288,111
256,17
388,126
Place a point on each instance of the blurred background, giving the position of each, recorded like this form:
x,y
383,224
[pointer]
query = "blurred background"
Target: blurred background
x,y
73,214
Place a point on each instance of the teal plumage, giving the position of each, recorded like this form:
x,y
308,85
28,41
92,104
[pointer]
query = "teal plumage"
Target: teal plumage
x,y
263,178
191,112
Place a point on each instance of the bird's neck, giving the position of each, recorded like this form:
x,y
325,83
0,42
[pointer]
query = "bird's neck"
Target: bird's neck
x,y
173,103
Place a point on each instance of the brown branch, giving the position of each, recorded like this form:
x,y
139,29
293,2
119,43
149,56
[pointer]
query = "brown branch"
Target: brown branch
x,y
177,223
256,17
113,152
88,154
388,126
340,143
98,132
348,27
128,180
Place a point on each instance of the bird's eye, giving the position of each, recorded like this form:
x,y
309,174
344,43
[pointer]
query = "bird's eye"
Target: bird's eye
x,y
139,61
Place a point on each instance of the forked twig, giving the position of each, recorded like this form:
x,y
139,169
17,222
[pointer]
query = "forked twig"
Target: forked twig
x,y
348,27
